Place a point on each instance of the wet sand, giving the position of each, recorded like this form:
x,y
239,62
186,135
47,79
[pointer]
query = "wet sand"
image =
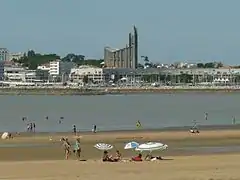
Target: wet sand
x,y
37,157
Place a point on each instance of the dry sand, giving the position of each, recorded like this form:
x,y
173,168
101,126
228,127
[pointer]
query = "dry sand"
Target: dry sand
x,y
218,167
47,162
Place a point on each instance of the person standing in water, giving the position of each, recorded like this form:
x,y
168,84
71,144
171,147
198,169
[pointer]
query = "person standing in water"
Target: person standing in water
x,y
34,127
74,130
233,120
94,129
206,116
138,124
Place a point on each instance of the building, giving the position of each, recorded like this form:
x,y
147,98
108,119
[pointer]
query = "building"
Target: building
x,y
59,68
36,76
44,67
4,54
16,56
1,70
14,73
93,74
123,58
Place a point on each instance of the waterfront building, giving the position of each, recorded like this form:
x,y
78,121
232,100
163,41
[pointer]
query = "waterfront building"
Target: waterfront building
x,y
4,54
36,75
59,68
93,74
177,76
16,56
1,70
44,67
13,73
126,57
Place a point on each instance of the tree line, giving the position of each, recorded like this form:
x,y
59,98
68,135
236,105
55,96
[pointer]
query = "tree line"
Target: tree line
x,y
32,60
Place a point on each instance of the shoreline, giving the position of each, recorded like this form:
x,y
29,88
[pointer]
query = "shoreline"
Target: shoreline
x,y
142,130
114,91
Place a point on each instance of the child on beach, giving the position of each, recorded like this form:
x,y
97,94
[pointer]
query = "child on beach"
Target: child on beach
x,y
77,149
66,146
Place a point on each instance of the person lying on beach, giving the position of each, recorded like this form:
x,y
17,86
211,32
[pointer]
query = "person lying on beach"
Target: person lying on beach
x,y
118,156
137,158
149,157
107,158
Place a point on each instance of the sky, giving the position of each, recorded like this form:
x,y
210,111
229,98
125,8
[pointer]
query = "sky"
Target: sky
x,y
169,30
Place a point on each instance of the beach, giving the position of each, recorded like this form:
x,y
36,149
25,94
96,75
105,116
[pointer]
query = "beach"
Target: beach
x,y
211,154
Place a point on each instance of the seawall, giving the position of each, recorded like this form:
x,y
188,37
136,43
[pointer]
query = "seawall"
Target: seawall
x,y
105,91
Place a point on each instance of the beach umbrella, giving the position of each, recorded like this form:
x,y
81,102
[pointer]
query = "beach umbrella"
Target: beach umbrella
x,y
131,145
5,135
103,146
151,146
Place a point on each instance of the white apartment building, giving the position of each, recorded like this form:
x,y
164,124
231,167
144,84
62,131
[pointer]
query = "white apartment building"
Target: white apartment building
x,y
94,74
14,73
58,67
16,56
45,67
4,54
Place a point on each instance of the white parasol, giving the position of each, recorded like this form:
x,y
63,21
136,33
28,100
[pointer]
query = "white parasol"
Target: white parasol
x,y
103,146
5,135
151,146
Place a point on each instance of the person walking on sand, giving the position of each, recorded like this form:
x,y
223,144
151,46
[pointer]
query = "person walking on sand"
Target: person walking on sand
x,y
77,149
66,146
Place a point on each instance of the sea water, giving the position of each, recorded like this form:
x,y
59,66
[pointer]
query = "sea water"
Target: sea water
x,y
117,112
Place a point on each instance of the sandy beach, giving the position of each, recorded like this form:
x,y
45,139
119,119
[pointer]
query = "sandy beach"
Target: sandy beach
x,y
37,157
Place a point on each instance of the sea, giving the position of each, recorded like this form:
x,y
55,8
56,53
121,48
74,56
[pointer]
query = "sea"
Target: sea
x,y
118,112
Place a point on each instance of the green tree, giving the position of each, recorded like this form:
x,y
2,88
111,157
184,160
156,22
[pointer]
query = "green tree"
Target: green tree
x,y
209,65
32,60
74,58
93,62
80,60
200,65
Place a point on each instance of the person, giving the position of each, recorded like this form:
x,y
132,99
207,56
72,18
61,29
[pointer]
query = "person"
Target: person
x,y
137,158
138,124
94,130
107,158
28,127
34,127
31,127
118,156
74,129
206,116
194,129
233,120
77,149
149,157
66,146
